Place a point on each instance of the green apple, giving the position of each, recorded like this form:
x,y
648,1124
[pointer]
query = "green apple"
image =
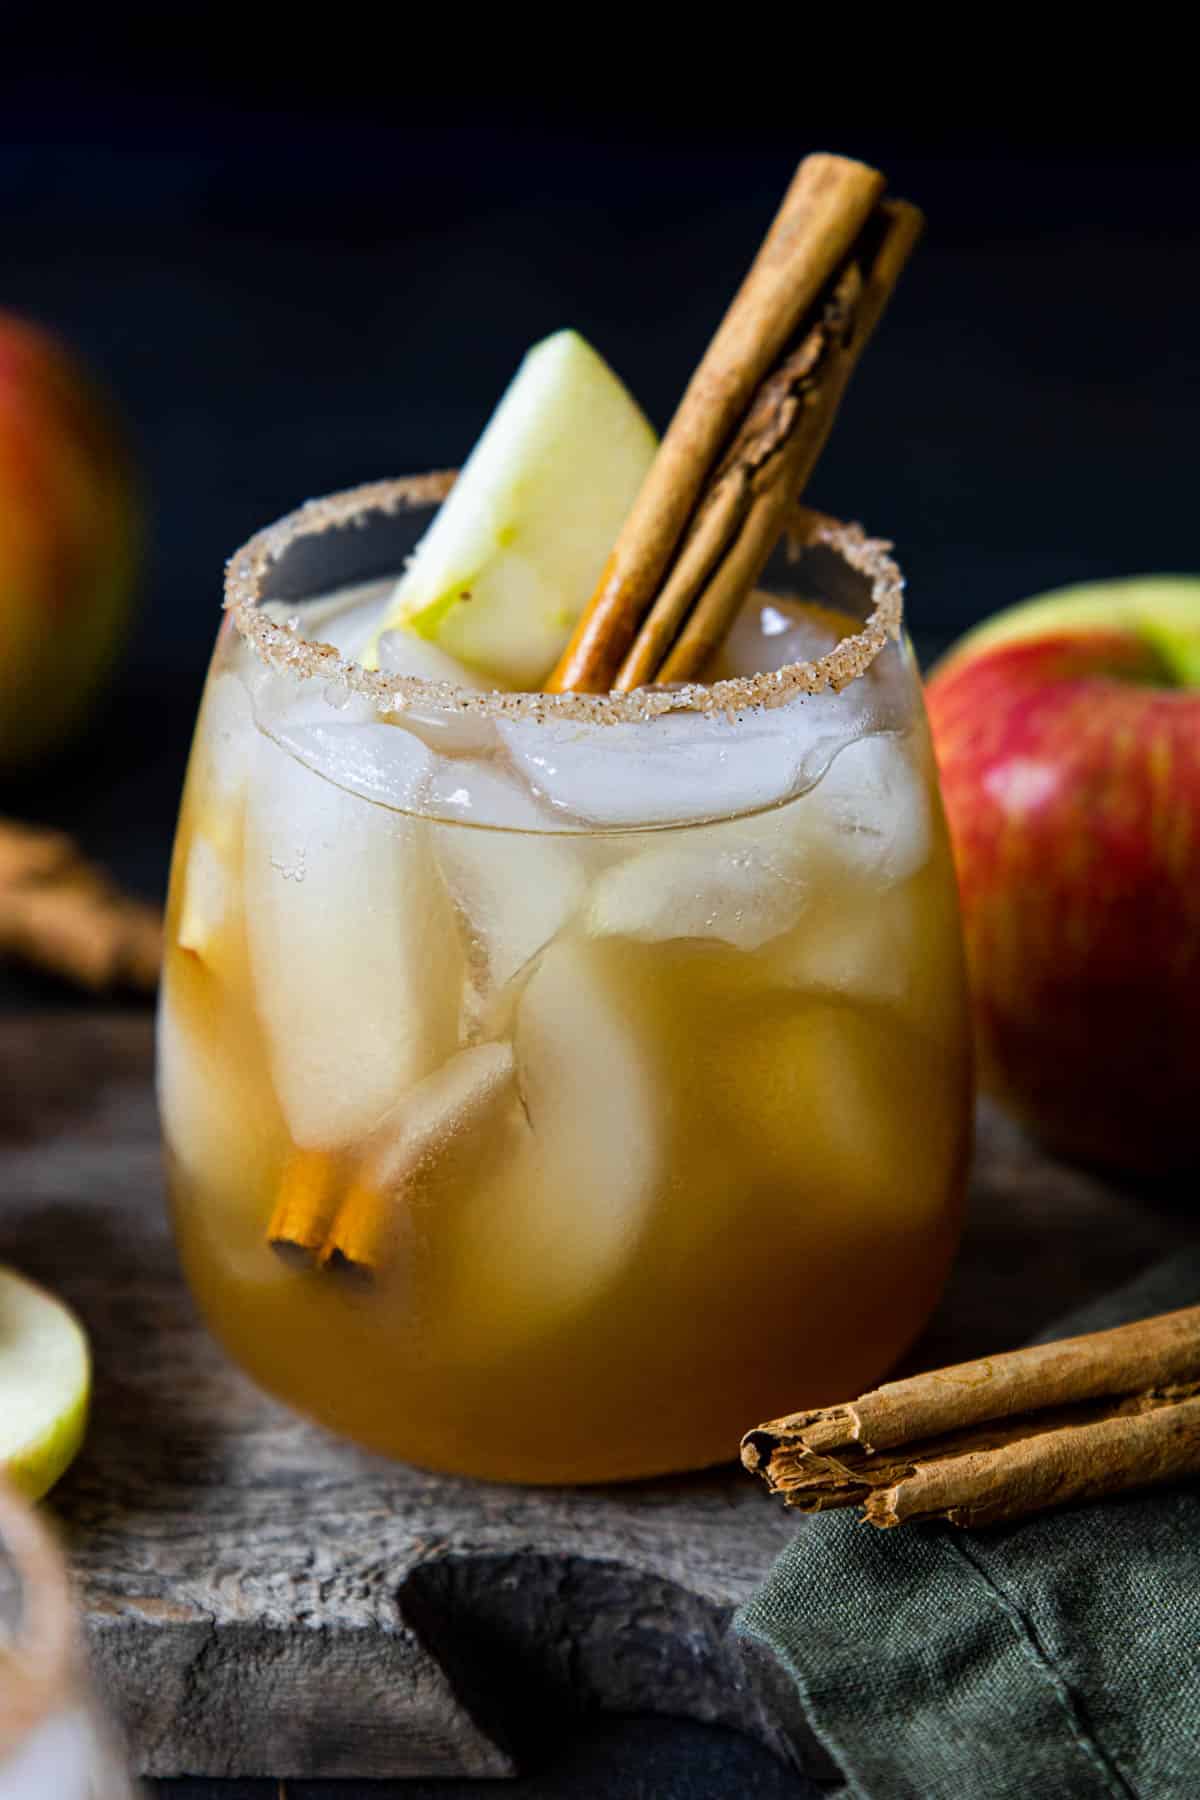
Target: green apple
x,y
45,1382
513,555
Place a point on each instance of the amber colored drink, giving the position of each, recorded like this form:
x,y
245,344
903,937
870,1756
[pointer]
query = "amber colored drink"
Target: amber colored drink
x,y
548,1099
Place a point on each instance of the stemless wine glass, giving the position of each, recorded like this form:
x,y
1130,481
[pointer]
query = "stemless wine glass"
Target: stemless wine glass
x,y
555,1086
53,1743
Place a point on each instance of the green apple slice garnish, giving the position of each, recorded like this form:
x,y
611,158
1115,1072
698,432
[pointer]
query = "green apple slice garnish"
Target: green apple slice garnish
x,y
45,1382
1162,610
514,553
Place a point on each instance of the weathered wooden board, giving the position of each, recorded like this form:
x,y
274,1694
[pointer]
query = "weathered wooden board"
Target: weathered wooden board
x,y
262,1599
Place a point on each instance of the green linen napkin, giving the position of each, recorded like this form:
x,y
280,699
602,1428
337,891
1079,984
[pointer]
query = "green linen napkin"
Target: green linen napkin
x,y
1058,1659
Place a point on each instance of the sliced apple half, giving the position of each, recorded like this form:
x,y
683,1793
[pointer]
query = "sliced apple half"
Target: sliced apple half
x,y
45,1381
513,555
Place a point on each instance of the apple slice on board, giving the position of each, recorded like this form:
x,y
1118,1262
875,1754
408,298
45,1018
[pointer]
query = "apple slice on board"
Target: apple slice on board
x,y
513,555
45,1382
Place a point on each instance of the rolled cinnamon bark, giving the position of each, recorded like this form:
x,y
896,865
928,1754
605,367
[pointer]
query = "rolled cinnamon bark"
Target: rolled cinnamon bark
x,y
310,1191
825,209
1138,1445
775,463
59,912
341,1212
997,1439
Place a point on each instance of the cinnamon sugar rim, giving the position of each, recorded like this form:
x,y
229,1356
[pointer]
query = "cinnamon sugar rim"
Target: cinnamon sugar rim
x,y
282,648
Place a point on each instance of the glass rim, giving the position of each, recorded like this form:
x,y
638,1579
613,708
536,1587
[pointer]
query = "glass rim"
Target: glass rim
x,y
35,1668
282,648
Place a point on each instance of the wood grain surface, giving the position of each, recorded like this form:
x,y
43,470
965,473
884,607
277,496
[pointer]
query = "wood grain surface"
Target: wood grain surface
x,y
261,1598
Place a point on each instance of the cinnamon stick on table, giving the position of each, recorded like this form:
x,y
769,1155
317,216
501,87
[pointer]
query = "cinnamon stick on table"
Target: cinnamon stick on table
x,y
61,913
982,1443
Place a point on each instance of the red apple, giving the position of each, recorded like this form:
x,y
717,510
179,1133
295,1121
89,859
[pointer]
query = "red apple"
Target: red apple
x,y
1068,738
69,541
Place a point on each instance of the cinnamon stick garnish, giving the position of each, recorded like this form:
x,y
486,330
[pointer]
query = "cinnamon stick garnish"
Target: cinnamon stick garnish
x,y
720,492
828,204
61,913
776,452
986,1442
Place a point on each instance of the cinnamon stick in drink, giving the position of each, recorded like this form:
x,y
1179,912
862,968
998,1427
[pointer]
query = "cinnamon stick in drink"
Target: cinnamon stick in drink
x,y
327,1217
985,1442
310,1191
341,1216
778,448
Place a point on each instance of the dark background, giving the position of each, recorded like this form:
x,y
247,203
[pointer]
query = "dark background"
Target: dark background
x,y
304,259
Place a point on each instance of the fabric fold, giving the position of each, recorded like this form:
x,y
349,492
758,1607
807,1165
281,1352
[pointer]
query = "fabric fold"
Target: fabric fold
x,y
1056,1659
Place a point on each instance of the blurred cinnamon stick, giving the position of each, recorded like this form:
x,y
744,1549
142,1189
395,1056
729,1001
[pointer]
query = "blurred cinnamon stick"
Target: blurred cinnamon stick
x,y
987,1442
61,913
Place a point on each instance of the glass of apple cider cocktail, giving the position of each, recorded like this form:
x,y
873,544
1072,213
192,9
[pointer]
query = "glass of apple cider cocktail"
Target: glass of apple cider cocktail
x,y
555,1085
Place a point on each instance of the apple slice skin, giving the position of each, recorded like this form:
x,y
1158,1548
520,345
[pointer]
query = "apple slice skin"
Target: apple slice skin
x,y
1071,778
33,1465
508,563
36,1472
